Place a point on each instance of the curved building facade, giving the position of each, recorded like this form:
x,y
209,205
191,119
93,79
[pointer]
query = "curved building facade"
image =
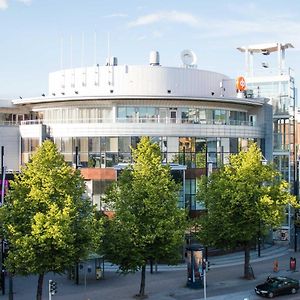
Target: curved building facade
x,y
96,114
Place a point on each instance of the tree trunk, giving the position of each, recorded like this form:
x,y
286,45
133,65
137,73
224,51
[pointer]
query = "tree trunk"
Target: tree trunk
x,y
248,272
39,291
142,286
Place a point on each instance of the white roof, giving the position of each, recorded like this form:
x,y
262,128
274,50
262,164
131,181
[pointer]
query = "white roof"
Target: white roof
x,y
6,103
270,47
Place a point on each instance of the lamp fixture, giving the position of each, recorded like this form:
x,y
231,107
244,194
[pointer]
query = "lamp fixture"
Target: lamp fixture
x,y
265,52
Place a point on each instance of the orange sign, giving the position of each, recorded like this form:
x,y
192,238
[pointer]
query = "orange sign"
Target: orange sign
x,y
240,83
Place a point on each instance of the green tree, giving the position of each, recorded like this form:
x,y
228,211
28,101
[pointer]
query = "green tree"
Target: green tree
x,y
243,199
45,218
148,225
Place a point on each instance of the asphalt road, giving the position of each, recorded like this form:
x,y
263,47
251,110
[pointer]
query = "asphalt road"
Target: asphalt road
x,y
224,282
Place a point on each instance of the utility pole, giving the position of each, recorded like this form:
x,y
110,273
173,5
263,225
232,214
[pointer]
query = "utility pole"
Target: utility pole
x,y
77,265
2,200
204,266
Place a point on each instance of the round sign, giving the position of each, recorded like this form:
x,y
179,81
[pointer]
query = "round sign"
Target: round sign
x,y
240,83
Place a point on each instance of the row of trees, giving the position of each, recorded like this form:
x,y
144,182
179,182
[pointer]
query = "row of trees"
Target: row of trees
x,y
50,225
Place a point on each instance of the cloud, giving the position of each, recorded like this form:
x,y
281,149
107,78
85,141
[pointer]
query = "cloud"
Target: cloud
x,y
116,15
157,34
274,28
26,2
3,4
173,16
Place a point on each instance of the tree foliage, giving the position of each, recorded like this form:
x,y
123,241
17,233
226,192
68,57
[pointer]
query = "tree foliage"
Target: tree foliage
x,y
45,219
243,199
148,225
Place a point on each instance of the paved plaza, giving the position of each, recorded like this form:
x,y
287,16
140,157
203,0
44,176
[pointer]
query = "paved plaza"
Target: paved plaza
x,y
168,283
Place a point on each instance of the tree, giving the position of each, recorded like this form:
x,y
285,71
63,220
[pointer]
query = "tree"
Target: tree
x,y
243,199
45,219
148,225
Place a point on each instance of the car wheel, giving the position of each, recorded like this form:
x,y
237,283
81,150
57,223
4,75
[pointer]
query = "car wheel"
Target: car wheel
x,y
270,295
293,291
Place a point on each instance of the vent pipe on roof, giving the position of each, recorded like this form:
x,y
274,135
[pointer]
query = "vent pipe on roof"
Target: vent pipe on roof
x,y
154,58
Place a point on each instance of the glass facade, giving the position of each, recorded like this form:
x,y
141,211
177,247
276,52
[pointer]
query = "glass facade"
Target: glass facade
x,y
183,115
282,97
193,152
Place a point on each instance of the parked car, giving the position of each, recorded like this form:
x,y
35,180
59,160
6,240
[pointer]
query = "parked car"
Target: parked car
x,y
277,286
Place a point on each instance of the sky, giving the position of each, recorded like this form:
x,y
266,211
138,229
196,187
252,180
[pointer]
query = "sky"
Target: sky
x,y
41,36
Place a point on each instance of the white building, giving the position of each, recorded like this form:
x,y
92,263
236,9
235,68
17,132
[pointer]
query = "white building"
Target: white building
x,y
196,116
272,79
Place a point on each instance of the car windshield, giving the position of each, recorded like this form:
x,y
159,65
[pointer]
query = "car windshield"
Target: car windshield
x,y
273,281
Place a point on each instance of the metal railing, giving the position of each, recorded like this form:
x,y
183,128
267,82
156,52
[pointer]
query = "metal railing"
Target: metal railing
x,y
139,120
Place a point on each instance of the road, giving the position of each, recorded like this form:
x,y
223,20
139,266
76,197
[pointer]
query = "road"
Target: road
x,y
224,281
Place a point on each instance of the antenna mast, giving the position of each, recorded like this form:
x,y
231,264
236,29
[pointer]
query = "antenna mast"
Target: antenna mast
x,y
61,52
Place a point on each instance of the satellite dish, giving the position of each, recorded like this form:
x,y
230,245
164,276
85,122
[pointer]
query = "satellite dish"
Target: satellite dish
x,y
188,57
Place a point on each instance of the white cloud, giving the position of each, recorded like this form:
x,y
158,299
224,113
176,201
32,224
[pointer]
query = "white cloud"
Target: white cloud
x,y
3,4
283,28
173,16
27,2
157,34
116,15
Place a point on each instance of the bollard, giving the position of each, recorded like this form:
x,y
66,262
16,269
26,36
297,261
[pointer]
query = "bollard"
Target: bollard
x,y
275,266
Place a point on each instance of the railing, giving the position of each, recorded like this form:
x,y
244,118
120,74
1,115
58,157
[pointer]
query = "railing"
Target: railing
x,y
140,120
10,123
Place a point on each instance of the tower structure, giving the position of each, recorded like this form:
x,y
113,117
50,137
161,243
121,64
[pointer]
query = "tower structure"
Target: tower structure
x,y
270,78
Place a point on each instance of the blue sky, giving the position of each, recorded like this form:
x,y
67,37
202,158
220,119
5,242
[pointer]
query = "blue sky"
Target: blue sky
x,y
33,32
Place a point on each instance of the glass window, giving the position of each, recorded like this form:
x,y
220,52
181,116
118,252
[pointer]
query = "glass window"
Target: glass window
x,y
94,145
124,144
202,116
193,115
112,144
66,145
25,145
163,115
143,115
130,112
134,141
184,115
209,115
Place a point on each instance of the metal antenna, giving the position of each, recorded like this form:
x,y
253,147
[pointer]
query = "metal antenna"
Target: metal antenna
x,y
108,46
61,52
71,51
95,47
82,49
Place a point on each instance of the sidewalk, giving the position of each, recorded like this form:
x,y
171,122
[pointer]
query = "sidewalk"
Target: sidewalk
x,y
167,284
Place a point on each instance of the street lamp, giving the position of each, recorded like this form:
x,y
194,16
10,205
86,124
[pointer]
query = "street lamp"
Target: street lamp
x,y
264,163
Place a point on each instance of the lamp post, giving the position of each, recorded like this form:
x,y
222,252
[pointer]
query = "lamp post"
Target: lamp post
x,y
208,171
77,265
2,201
263,162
